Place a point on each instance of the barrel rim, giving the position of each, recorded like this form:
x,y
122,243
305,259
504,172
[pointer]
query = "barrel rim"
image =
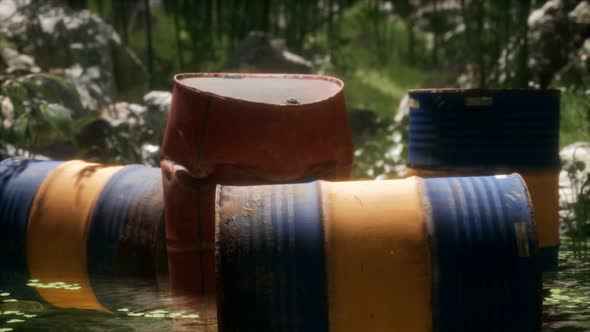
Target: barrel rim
x,y
479,170
483,91
179,77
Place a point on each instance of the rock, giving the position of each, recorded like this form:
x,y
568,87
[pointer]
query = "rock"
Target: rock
x,y
150,154
7,112
125,114
18,63
158,101
577,72
402,115
580,16
152,113
89,50
144,123
158,106
260,52
575,152
556,32
568,182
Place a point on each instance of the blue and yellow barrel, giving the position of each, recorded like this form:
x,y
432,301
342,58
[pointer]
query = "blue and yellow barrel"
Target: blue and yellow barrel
x,y
19,181
443,254
84,231
474,132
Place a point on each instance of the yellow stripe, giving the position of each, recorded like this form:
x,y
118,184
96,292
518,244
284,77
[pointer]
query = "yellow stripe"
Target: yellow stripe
x,y
544,190
378,258
543,187
57,232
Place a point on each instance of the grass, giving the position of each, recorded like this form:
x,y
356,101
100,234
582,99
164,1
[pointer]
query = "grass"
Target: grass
x,y
376,72
574,118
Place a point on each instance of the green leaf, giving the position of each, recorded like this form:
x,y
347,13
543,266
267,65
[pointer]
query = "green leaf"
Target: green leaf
x,y
59,118
579,165
16,93
44,86
20,129
81,123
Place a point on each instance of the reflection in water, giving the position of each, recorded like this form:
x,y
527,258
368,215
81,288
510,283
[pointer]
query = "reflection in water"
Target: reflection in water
x,y
147,308
566,306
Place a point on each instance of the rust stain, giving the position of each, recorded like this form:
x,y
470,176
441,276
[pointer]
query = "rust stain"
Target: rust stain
x,y
247,211
360,201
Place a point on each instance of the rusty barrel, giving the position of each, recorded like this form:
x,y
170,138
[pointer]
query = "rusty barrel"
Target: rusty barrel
x,y
474,132
242,129
441,254
88,234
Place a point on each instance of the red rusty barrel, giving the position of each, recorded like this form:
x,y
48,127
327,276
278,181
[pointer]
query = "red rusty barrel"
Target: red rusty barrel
x,y
238,129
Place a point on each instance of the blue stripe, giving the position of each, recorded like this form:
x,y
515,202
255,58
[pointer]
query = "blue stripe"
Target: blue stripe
x,y
519,129
19,181
484,282
122,233
278,281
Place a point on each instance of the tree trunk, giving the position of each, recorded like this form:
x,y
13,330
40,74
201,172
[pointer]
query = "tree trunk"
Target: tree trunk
x,y
411,42
209,19
435,28
121,8
100,6
522,77
330,23
507,25
177,30
219,18
148,39
481,45
266,12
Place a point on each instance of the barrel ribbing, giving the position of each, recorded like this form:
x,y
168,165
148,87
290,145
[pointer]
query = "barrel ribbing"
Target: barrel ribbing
x,y
19,181
443,255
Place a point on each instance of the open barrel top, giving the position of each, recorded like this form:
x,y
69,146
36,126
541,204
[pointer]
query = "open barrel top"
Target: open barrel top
x,y
274,89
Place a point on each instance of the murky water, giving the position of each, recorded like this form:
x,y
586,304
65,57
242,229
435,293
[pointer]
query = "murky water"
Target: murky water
x,y
566,303
134,306
566,307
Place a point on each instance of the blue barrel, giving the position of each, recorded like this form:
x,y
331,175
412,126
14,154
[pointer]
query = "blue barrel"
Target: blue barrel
x,y
471,132
485,254
19,181
126,236
119,224
518,129
444,255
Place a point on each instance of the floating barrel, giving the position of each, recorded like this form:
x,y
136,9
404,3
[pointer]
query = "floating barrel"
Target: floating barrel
x,y
88,235
484,132
448,254
242,129
19,181
126,236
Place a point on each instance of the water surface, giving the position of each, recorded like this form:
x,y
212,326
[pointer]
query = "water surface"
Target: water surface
x,y
566,306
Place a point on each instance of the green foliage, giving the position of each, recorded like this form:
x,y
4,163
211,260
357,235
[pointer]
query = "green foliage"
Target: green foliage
x,y
35,117
577,217
575,117
369,50
375,69
381,154
59,118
